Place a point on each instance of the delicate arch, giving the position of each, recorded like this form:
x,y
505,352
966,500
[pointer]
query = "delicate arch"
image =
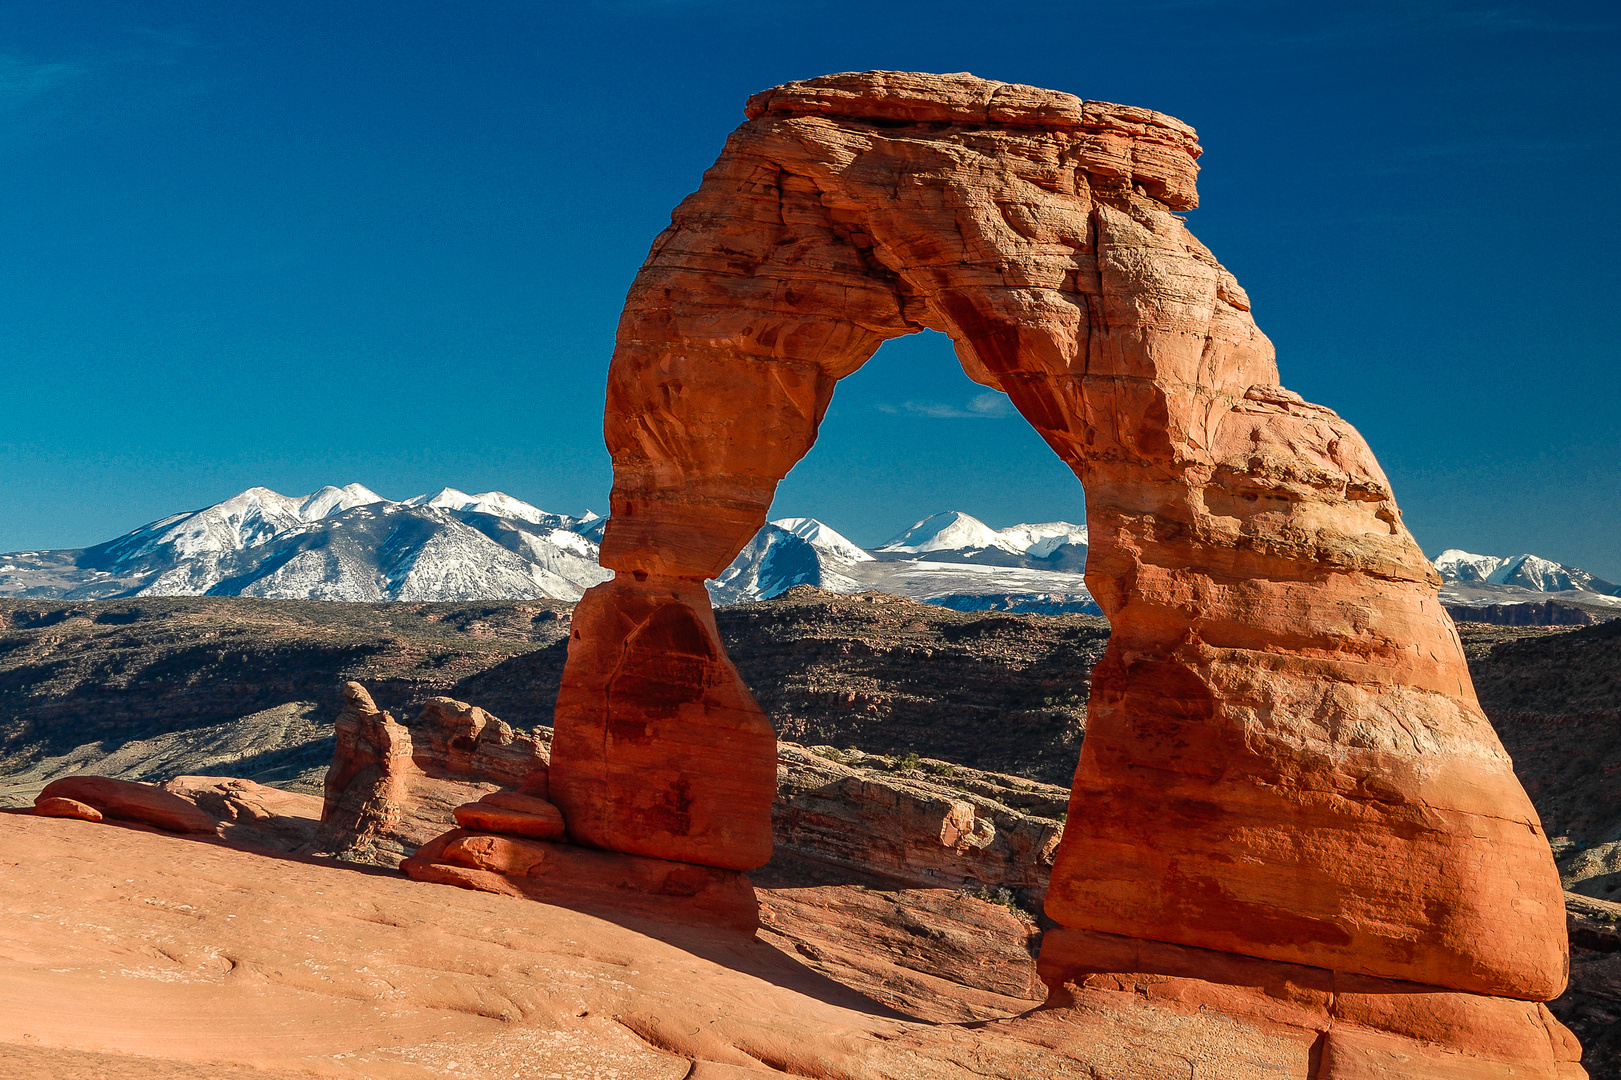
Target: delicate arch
x,y
1284,755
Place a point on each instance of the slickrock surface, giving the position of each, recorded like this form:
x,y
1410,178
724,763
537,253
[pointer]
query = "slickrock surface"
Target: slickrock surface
x,y
1284,756
936,954
122,948
606,882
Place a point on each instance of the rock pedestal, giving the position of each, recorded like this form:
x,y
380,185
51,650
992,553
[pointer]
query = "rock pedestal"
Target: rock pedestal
x,y
1284,757
667,755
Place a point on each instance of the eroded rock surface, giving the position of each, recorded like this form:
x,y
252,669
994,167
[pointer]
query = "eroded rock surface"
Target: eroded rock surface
x,y
934,825
1284,759
392,788
123,800
252,813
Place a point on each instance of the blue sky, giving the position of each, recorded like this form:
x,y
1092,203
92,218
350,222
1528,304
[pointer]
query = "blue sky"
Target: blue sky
x,y
297,243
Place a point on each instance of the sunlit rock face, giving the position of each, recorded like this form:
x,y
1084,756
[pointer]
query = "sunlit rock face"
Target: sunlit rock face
x,y
1284,756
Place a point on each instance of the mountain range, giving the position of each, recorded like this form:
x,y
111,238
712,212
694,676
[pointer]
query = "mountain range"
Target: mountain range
x,y
352,544
1475,581
344,543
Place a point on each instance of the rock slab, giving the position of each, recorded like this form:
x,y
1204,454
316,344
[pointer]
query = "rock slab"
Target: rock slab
x,y
584,879
123,800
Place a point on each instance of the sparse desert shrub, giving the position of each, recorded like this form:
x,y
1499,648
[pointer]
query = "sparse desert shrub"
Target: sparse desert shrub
x,y
1001,896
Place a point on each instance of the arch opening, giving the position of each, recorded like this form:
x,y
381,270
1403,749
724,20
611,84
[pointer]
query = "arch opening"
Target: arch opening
x,y
908,435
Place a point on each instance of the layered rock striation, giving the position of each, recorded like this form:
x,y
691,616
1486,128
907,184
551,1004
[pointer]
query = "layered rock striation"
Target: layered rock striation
x,y
1285,759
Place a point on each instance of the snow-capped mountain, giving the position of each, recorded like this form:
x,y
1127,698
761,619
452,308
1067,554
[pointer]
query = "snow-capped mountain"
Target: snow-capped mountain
x,y
1520,571
1470,579
344,543
351,543
789,552
951,559
956,537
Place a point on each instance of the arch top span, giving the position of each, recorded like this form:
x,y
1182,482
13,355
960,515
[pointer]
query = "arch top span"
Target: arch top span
x,y
1284,756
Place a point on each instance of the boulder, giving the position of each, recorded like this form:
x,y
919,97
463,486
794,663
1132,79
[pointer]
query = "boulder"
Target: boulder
x,y
71,808
541,822
126,800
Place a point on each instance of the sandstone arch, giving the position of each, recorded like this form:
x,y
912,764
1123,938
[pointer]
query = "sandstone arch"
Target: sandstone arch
x,y
1284,756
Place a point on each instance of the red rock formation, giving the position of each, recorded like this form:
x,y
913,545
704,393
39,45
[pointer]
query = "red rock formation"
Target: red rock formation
x,y
1284,755
139,955
55,806
392,788
250,813
122,800
668,754
454,740
512,815
911,829
366,782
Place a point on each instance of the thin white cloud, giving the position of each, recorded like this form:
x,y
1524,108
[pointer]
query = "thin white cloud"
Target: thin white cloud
x,y
24,82
987,406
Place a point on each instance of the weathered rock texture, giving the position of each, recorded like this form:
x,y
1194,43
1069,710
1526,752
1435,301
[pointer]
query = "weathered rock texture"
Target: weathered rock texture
x,y
936,825
391,788
122,800
251,813
587,879
1284,756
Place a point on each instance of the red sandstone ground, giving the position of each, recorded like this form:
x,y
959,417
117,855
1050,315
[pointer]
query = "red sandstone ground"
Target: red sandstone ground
x,y
133,954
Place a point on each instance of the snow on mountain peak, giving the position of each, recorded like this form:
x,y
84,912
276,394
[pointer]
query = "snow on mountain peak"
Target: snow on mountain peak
x,y
950,531
823,538
332,500
1454,564
1530,572
497,503
345,543
1542,575
1040,541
